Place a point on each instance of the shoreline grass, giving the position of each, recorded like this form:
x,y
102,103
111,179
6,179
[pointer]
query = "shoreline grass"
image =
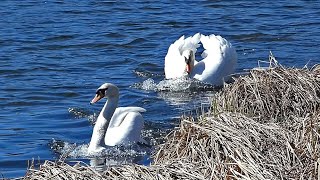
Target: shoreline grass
x,y
264,125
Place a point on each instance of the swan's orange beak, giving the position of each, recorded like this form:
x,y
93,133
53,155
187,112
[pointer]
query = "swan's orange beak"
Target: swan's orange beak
x,y
96,98
188,68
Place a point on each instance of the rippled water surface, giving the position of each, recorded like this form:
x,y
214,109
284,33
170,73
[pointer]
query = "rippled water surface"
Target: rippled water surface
x,y
54,54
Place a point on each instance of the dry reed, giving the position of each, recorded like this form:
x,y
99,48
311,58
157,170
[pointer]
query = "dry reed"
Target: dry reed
x,y
273,93
264,125
61,170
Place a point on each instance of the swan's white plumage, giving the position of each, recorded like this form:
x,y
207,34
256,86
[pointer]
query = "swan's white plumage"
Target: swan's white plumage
x,y
126,129
115,125
174,60
121,113
218,63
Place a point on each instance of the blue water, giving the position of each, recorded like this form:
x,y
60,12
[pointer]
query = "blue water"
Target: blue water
x,y
54,54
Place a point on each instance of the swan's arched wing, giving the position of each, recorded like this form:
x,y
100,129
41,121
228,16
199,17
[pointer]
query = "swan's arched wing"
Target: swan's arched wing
x,y
211,44
175,65
192,43
121,112
219,60
216,45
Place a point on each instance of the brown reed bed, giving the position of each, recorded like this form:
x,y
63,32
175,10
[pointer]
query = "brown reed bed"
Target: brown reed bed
x,y
273,93
61,170
265,125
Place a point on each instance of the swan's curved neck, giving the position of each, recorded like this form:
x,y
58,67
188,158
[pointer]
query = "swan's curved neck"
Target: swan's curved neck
x,y
109,108
102,122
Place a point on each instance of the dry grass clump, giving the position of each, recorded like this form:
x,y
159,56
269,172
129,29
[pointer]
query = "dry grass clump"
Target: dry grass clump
x,y
231,145
273,93
61,170
226,146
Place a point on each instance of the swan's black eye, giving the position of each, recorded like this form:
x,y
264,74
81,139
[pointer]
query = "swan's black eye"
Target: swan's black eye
x,y
101,91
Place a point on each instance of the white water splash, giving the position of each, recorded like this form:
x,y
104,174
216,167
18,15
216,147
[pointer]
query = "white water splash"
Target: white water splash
x,y
177,91
83,113
73,150
174,85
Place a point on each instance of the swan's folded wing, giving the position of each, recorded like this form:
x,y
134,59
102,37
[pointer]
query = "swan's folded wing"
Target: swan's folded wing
x,y
121,112
132,109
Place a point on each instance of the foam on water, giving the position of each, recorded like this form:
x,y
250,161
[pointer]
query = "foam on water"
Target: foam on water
x,y
83,113
174,85
121,154
74,150
180,91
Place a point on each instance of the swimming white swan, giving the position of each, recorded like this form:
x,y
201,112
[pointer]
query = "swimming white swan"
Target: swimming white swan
x,y
125,123
219,59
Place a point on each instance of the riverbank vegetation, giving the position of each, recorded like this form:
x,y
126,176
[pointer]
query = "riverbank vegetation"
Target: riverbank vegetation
x,y
264,125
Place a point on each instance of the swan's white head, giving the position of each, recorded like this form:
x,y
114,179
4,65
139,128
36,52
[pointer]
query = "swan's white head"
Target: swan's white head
x,y
107,90
189,59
